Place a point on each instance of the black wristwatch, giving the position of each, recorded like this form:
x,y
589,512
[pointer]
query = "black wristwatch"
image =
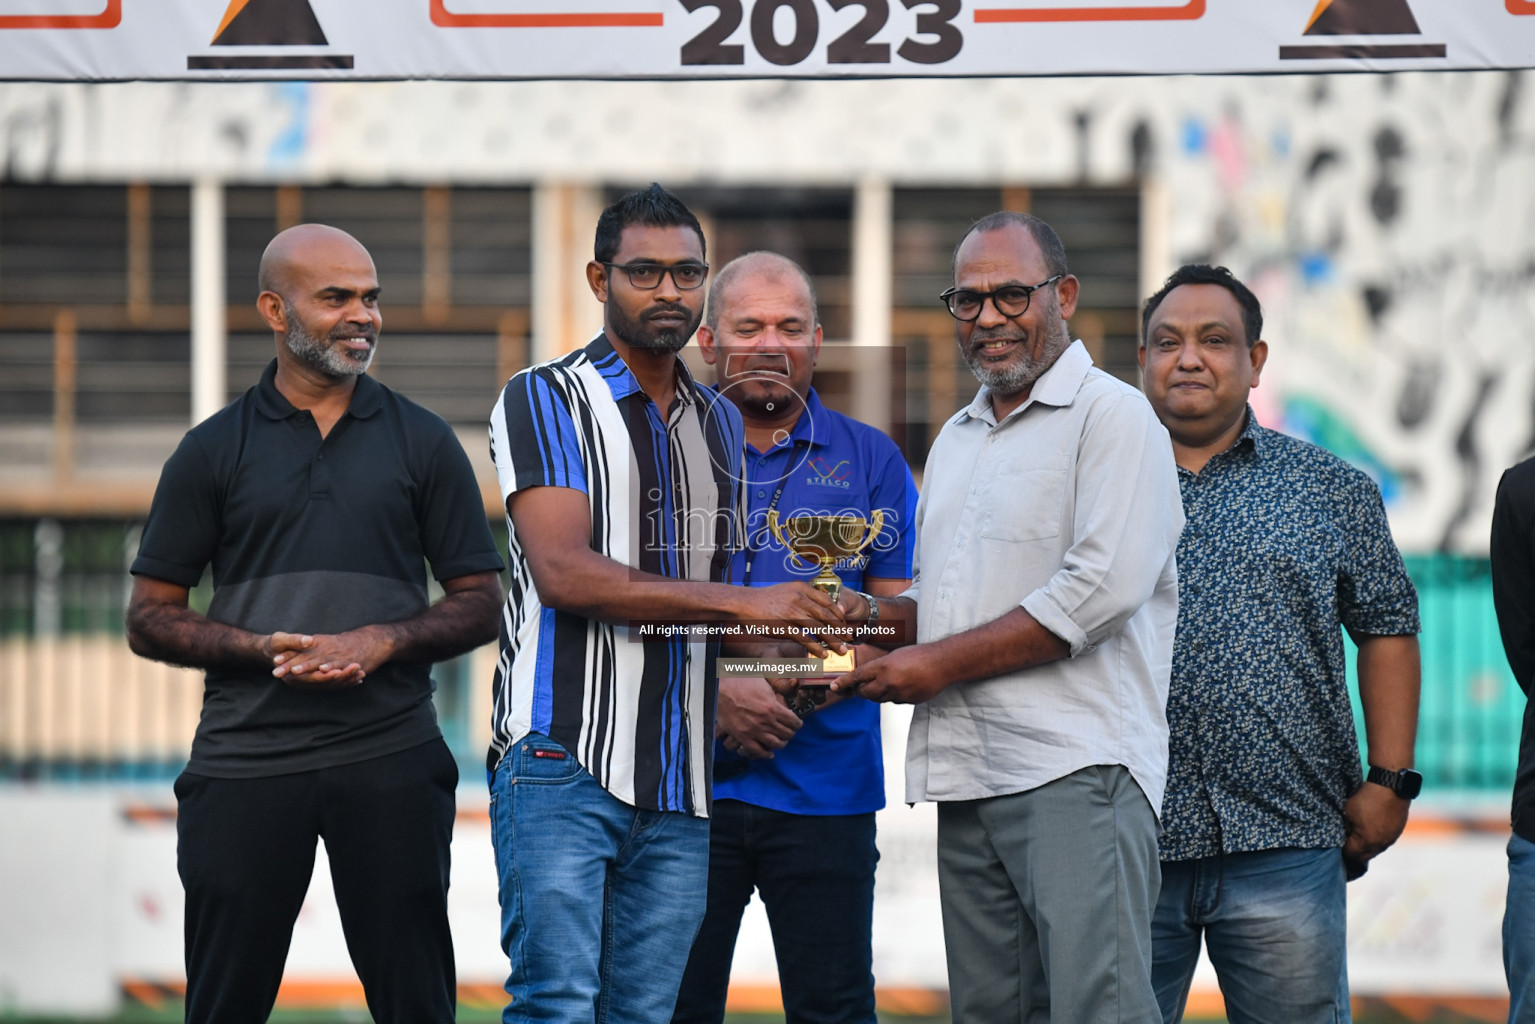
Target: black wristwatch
x,y
1405,783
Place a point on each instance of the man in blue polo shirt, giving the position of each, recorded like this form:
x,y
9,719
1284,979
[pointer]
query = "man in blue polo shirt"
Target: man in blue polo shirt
x,y
795,800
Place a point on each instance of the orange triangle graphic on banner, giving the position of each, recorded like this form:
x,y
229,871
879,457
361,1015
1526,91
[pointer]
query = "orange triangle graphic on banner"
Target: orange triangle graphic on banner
x,y
1362,17
1320,7
235,7
270,23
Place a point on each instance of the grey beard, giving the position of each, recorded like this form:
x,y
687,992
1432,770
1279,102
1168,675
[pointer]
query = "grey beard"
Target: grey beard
x,y
1022,373
325,358
1009,381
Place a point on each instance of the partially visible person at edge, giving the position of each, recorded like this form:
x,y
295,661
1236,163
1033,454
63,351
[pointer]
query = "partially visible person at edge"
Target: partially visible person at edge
x,y
795,800
1044,607
317,496
1286,546
1513,594
621,480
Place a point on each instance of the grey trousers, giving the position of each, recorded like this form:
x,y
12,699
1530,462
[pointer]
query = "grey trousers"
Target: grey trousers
x,y
1047,900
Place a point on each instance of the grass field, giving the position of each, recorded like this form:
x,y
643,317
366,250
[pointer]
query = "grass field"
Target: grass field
x,y
1366,1011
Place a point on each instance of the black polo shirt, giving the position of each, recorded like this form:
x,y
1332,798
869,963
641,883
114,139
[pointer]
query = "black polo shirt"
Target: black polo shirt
x,y
314,535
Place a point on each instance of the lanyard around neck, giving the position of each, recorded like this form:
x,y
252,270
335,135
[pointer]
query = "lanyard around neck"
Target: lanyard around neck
x,y
752,549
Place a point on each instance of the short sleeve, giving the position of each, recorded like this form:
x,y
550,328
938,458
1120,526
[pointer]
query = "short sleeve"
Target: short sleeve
x,y
534,441
185,517
455,534
1375,595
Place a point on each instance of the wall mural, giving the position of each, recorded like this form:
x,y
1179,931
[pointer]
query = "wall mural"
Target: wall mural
x,y
1388,225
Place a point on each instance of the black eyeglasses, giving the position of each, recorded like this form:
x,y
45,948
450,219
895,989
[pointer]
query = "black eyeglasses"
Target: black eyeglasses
x,y
646,276
1011,300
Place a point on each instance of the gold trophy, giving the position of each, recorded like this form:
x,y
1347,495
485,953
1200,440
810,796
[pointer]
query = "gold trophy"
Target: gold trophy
x,y
826,540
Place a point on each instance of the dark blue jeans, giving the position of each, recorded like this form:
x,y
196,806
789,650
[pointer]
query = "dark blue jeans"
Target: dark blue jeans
x,y
815,874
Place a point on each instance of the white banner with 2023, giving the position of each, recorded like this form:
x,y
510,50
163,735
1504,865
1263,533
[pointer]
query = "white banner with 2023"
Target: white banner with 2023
x,y
201,40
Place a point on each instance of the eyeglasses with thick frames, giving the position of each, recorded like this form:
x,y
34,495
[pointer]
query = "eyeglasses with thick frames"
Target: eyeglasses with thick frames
x,y
647,276
1011,300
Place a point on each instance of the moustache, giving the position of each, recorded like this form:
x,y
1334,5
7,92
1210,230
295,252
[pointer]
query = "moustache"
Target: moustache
x,y
983,335
762,372
369,335
763,366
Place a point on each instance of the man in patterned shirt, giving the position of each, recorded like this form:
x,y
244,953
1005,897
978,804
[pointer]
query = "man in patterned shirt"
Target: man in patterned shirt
x,y
1266,813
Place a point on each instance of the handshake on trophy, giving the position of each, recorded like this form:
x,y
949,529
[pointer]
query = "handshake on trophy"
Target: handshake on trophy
x,y
825,540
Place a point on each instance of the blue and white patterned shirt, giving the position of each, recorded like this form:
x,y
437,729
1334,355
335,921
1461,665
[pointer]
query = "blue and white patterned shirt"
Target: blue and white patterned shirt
x,y
1285,543
663,492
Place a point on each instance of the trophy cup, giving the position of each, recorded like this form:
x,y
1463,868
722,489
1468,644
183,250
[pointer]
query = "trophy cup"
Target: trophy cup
x,y
826,540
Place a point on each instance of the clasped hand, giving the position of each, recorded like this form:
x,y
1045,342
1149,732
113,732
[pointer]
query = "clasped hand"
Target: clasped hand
x,y
327,661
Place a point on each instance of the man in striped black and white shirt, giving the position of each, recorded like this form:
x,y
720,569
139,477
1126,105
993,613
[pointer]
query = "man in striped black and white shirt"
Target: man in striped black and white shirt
x,y
621,479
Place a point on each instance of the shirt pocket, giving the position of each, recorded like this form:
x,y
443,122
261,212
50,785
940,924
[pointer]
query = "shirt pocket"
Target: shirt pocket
x,y
1025,499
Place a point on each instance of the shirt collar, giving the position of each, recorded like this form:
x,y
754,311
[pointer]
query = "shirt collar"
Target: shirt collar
x,y
1252,436
621,380
1252,442
1057,386
367,399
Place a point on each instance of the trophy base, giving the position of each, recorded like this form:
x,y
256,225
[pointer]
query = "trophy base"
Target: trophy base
x,y
813,690
810,695
836,664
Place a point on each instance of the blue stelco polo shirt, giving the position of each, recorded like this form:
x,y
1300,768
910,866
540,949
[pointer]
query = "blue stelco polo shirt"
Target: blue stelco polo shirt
x,y
830,464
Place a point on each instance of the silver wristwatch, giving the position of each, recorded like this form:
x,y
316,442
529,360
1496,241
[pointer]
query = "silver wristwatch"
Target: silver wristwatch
x,y
873,618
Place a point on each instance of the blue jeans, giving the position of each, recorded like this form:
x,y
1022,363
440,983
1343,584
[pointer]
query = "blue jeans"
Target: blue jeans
x,y
815,874
1519,931
1274,923
599,900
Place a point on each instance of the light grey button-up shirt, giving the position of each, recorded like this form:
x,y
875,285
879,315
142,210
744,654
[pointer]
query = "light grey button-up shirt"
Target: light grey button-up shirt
x,y
1069,507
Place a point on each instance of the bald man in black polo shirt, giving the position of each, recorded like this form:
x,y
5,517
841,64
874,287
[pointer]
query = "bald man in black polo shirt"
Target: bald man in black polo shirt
x,y
317,497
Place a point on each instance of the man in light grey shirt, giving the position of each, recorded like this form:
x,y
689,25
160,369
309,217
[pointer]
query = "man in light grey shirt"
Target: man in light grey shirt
x,y
1044,607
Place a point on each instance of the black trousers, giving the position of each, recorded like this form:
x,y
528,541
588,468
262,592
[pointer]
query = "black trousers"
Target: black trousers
x,y
815,876
245,851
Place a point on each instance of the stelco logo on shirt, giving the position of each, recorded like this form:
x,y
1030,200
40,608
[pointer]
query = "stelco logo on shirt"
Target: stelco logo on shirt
x,y
825,473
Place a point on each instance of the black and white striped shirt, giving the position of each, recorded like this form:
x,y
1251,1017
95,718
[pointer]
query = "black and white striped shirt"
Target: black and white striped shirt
x,y
663,492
